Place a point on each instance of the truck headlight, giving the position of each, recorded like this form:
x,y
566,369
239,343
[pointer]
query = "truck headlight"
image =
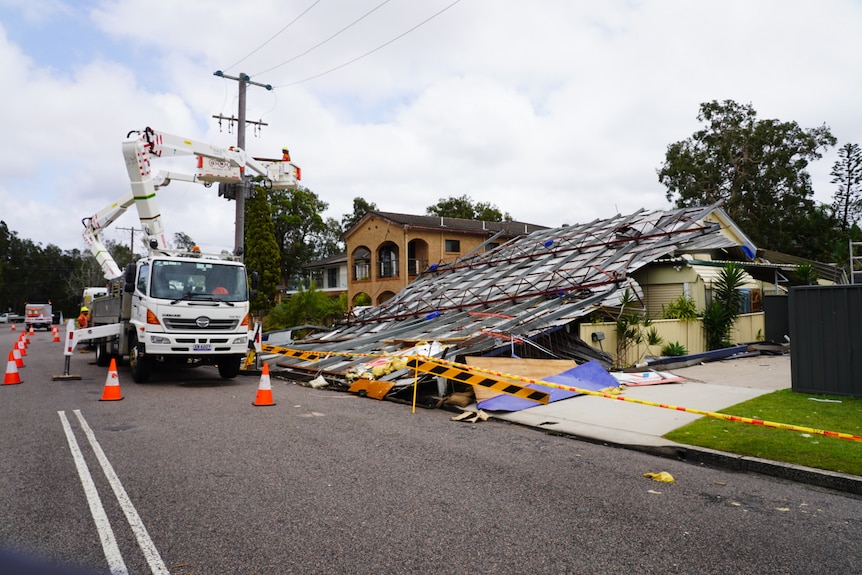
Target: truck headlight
x,y
159,339
240,340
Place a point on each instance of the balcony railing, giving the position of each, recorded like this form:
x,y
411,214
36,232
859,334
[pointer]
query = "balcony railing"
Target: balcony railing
x,y
416,266
361,271
388,269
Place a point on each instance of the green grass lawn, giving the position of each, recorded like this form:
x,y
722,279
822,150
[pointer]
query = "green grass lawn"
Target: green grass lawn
x,y
841,414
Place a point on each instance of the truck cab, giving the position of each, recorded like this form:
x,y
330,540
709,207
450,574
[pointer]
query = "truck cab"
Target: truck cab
x,y
178,310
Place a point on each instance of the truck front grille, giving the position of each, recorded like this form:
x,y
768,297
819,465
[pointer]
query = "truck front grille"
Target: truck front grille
x,y
183,324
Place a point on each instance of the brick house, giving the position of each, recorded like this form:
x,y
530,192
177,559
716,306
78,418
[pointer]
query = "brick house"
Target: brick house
x,y
386,251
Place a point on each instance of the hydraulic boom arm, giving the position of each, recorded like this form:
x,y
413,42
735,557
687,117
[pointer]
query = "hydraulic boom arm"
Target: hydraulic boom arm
x,y
138,150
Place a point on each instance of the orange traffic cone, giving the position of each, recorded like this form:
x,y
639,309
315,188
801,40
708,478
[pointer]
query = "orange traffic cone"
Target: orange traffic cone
x,y
264,390
13,327
16,354
32,331
22,347
56,333
11,377
112,384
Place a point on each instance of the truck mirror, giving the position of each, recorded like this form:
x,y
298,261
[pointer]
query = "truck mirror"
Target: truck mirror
x,y
255,280
129,279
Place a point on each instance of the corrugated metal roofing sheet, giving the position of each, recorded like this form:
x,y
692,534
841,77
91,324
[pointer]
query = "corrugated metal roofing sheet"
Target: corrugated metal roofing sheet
x,y
529,285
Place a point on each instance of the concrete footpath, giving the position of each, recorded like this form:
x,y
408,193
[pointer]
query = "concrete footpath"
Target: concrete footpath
x,y
710,386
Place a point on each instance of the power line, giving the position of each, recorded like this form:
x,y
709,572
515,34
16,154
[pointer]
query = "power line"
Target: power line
x,y
319,44
289,24
354,60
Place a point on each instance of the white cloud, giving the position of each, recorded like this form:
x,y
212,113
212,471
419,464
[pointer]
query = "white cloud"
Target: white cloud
x,y
555,111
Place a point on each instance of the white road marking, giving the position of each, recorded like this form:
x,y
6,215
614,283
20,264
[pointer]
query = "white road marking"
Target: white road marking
x,y
103,526
154,559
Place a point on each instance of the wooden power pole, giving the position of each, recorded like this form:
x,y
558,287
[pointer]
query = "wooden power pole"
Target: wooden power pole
x,y
241,190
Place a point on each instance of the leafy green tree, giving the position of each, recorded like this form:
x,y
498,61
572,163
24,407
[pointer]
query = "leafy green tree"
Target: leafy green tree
x,y
721,313
465,208
488,212
28,269
261,250
819,236
327,240
309,305
757,168
182,241
302,234
360,208
82,270
6,298
847,173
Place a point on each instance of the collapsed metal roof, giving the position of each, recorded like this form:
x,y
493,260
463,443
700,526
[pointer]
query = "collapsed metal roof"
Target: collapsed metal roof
x,y
525,288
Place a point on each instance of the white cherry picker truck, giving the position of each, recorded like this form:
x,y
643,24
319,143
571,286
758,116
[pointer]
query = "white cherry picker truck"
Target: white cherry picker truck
x,y
173,307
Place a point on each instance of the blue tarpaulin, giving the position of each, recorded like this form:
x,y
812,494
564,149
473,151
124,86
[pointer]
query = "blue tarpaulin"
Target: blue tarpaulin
x,y
590,376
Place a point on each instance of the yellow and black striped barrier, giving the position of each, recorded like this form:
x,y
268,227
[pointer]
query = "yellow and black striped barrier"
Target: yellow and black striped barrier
x,y
494,382
433,366
294,353
504,382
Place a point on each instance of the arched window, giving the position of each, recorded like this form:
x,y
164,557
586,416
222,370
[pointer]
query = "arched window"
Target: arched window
x,y
417,257
361,299
385,296
361,263
387,258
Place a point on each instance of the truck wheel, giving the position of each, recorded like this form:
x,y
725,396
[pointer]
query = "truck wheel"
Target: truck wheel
x,y
141,364
103,356
228,367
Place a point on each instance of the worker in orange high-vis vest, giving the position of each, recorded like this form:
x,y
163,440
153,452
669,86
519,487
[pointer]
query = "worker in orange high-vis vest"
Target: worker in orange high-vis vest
x,y
285,155
83,319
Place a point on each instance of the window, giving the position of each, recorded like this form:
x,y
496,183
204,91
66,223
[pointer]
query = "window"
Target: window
x,y
316,278
210,281
388,257
332,278
417,257
143,276
361,263
453,246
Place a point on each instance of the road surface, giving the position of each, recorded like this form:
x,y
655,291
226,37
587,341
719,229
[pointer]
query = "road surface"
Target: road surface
x,y
185,476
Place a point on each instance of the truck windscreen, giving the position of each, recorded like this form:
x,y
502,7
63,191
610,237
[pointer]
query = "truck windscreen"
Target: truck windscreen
x,y
209,280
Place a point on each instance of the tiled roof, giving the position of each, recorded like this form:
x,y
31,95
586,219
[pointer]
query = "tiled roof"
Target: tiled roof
x,y
510,229
327,262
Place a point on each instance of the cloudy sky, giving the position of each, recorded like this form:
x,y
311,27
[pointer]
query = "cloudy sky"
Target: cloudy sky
x,y
555,111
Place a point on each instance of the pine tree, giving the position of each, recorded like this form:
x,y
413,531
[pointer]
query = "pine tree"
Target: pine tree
x,y
847,173
261,250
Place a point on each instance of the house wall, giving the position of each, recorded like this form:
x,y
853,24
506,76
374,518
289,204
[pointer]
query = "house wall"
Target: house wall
x,y
377,232
320,276
662,284
748,327
665,283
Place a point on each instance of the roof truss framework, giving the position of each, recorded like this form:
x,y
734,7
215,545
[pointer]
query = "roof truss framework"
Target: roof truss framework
x,y
521,288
